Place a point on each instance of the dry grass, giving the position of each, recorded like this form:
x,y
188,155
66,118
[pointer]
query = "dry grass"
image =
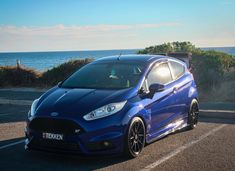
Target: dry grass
x,y
13,76
59,73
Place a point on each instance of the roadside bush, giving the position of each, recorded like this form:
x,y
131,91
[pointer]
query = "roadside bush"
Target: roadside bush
x,y
170,47
13,76
208,67
59,73
17,76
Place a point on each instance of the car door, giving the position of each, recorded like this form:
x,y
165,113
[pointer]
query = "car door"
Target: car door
x,y
162,105
182,86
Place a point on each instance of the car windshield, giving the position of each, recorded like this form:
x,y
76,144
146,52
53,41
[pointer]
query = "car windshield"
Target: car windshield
x,y
105,76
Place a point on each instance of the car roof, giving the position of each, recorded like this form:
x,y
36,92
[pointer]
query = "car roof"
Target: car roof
x,y
135,58
132,58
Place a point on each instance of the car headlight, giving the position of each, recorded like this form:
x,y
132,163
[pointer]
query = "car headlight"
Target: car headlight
x,y
33,108
104,111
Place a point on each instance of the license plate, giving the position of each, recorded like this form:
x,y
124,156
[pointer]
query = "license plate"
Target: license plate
x,y
52,136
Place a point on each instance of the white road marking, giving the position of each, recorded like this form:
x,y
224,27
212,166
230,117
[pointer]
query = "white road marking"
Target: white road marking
x,y
5,114
180,149
11,113
23,89
15,102
11,144
217,111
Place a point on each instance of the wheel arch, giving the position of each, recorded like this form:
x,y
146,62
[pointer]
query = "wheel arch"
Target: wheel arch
x,y
142,113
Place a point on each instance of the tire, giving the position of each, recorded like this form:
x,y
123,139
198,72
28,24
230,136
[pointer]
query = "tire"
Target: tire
x,y
135,138
193,114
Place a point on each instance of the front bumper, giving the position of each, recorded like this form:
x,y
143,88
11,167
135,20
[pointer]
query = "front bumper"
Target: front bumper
x,y
106,140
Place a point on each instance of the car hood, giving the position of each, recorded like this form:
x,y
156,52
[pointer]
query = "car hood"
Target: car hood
x,y
78,102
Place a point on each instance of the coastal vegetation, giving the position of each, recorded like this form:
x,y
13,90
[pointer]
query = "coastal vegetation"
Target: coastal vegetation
x,y
213,71
21,76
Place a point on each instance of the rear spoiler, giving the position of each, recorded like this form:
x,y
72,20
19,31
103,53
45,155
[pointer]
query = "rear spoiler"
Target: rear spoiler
x,y
185,57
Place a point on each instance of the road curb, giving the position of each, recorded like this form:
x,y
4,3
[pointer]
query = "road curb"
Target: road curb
x,y
16,102
23,89
217,111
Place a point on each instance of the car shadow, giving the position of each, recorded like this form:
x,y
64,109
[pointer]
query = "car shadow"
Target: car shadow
x,y
15,157
78,162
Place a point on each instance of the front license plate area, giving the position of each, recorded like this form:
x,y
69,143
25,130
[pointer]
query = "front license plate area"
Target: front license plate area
x,y
52,136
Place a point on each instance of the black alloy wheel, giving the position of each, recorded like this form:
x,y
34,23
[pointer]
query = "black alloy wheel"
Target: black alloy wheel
x,y
135,139
193,114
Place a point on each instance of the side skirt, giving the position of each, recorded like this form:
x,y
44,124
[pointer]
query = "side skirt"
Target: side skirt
x,y
180,124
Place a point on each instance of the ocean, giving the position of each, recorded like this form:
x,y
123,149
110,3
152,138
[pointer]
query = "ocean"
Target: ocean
x,y
42,61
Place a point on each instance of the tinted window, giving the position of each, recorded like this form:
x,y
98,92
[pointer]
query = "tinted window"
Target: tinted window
x,y
159,74
177,69
105,76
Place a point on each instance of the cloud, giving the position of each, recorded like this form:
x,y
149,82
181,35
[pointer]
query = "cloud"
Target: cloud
x,y
69,30
61,37
224,38
226,2
90,37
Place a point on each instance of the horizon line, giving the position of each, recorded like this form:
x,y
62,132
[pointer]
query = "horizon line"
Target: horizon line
x,y
101,49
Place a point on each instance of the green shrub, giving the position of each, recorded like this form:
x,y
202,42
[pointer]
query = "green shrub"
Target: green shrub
x,y
170,47
208,67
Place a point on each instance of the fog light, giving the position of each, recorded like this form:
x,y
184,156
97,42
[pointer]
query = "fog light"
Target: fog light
x,y
102,145
76,131
106,143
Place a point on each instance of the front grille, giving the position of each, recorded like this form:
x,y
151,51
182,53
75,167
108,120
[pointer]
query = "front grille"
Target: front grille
x,y
60,126
52,145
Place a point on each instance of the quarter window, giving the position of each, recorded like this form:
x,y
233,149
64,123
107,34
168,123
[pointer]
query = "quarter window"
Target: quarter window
x,y
177,69
159,74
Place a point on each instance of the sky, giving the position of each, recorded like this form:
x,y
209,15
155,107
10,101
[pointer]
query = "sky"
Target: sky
x,y
62,25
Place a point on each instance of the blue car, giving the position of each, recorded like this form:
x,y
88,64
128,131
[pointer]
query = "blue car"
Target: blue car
x,y
114,105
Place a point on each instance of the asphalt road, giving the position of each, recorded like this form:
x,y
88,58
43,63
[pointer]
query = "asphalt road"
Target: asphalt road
x,y
211,146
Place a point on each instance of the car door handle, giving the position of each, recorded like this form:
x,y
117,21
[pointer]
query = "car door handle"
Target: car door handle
x,y
175,90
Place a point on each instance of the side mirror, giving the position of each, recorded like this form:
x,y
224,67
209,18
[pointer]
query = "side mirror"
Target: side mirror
x,y
153,88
